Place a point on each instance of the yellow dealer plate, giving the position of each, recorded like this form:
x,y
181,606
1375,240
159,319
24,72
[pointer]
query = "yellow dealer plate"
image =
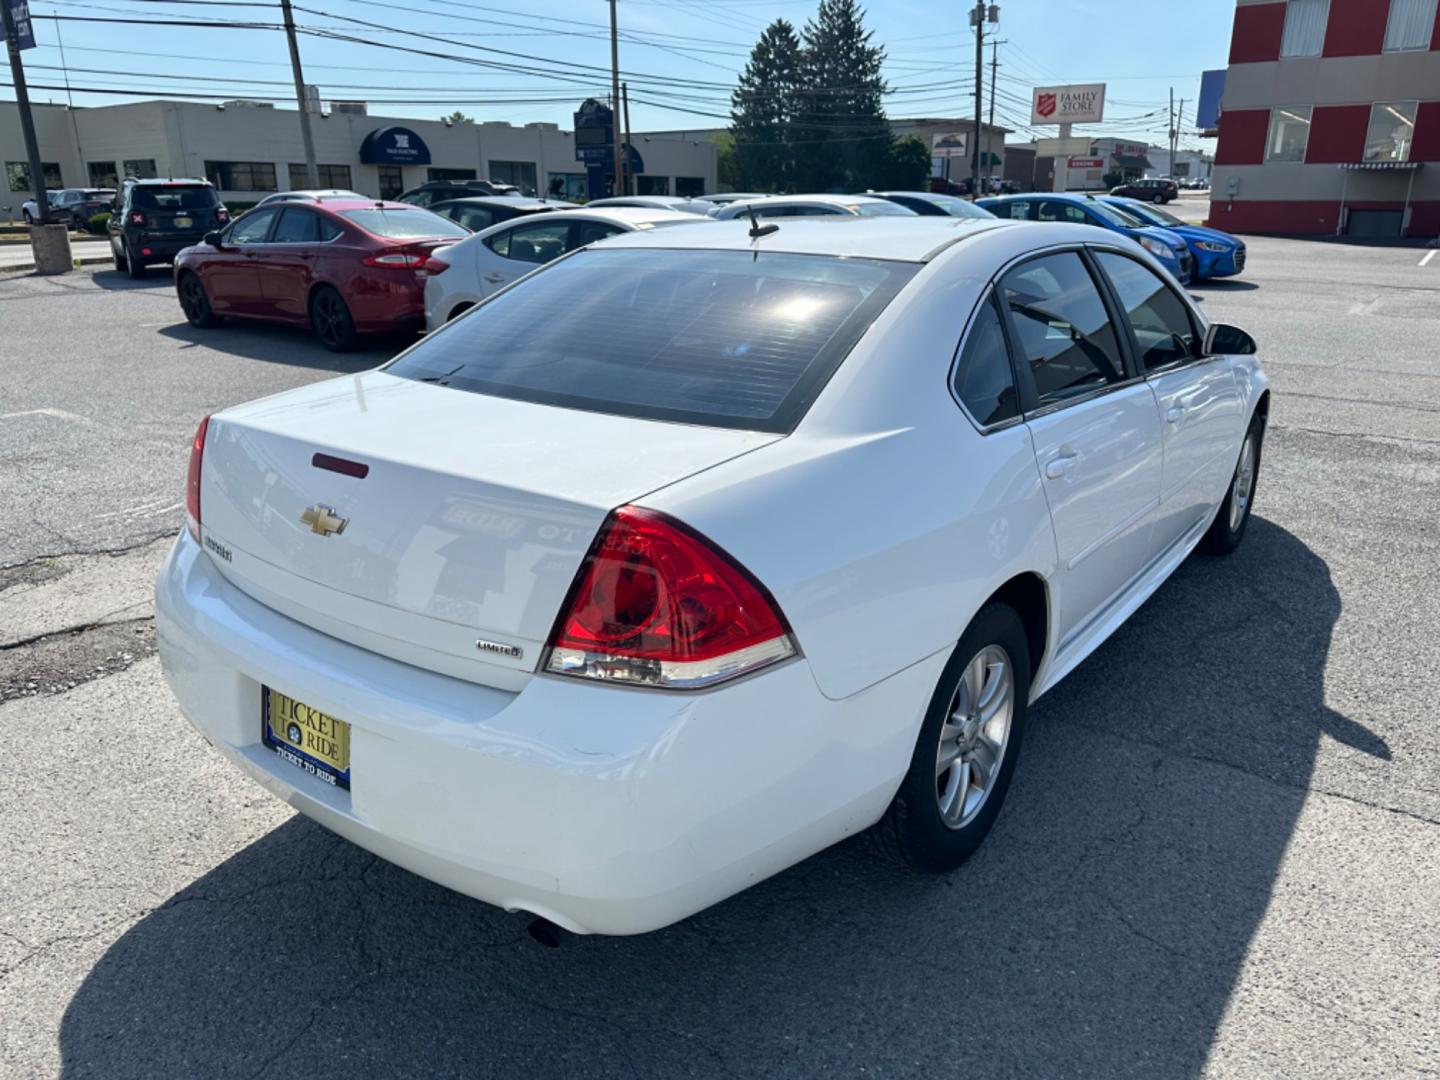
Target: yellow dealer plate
x,y
306,737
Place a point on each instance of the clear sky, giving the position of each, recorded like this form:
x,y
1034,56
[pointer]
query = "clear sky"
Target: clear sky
x,y
681,56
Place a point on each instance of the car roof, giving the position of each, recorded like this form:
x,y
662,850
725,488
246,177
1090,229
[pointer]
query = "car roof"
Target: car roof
x,y
903,239
928,196
154,181
827,199
633,215
519,201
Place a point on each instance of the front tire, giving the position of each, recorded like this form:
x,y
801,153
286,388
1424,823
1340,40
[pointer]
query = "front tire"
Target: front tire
x,y
966,752
1159,200
331,321
1228,528
195,302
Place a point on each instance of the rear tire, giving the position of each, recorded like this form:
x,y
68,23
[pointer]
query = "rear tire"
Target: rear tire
x,y
29,218
1159,200
134,267
331,321
966,752
460,309
1228,528
195,302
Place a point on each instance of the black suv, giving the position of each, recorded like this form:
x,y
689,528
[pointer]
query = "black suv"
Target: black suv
x,y
434,191
152,220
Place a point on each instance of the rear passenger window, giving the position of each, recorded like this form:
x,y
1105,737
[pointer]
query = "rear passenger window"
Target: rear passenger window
x,y
1064,332
1060,211
984,380
587,232
537,243
1159,318
1018,209
296,227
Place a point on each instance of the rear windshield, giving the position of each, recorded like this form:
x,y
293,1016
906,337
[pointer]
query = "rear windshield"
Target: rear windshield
x,y
724,338
396,224
1113,214
174,197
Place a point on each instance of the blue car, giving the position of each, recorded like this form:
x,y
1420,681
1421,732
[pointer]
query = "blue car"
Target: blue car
x,y
1217,254
1169,249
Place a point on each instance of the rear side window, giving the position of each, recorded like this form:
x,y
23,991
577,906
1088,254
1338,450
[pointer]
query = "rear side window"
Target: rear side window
x,y
724,338
1062,327
535,243
1018,210
984,380
296,227
1159,318
395,224
174,197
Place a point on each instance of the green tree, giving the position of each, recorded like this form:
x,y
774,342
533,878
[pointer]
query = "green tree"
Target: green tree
x,y
458,117
726,162
906,167
762,111
841,123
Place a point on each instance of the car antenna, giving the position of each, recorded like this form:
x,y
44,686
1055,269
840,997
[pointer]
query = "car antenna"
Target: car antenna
x,y
756,229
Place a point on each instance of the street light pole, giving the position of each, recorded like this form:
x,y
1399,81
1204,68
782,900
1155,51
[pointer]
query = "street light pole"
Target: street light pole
x,y
27,121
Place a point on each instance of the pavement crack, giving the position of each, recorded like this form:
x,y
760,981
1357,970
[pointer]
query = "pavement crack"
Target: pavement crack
x,y
123,549
58,661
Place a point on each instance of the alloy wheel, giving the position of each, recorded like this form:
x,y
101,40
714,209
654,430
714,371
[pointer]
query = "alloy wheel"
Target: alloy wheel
x,y
1244,485
974,736
327,311
192,298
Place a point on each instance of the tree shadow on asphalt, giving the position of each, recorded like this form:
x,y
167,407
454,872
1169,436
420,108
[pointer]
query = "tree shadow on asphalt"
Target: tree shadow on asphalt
x,y
275,343
1099,931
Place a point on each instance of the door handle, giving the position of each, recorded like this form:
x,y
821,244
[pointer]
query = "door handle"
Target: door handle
x,y
1060,465
494,279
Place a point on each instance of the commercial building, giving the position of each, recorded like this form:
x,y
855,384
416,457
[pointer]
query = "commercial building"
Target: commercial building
x,y
250,150
1330,120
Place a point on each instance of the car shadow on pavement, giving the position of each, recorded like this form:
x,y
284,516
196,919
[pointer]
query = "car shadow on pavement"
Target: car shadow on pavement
x,y
1099,932
275,343
1225,285
158,277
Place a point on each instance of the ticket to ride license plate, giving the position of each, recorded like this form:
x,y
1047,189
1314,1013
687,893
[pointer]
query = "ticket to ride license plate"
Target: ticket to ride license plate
x,y
306,737
184,222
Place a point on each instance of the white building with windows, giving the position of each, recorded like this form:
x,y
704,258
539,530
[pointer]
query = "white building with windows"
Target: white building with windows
x,y
248,151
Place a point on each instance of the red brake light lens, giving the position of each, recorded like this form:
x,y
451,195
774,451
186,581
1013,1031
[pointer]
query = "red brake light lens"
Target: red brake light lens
x,y
655,604
435,266
395,258
222,215
192,481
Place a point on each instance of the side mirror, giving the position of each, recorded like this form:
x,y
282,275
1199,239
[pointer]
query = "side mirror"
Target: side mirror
x,y
214,239
1224,340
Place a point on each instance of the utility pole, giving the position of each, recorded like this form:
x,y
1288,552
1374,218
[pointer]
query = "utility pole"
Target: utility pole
x,y
629,151
1172,131
311,171
979,16
1179,121
990,131
615,106
27,121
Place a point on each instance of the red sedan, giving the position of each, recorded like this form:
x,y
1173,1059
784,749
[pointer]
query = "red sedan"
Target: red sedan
x,y
344,267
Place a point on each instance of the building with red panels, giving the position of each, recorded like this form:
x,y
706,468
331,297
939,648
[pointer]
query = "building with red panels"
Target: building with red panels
x,y
1331,119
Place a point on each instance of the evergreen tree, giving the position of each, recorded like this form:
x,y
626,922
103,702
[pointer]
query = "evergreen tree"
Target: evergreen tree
x,y
841,127
762,111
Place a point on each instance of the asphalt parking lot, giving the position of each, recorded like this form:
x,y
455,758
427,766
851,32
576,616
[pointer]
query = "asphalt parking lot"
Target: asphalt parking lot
x,y
1220,856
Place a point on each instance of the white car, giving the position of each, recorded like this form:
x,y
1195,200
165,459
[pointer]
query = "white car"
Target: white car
x,y
460,276
772,206
685,205
695,552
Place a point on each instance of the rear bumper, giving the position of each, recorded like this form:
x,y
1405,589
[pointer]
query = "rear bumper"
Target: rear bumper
x,y
604,809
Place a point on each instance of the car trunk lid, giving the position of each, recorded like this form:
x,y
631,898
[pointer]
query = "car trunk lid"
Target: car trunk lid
x,y
438,527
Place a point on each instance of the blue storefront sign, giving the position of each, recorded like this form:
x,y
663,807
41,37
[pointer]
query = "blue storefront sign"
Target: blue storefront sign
x,y
1212,90
24,28
394,146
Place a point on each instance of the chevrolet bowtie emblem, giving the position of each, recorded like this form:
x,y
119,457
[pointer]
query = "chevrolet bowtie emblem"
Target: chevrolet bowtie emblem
x,y
323,520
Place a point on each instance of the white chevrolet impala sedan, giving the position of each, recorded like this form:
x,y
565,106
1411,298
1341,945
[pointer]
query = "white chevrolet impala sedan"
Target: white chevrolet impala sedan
x,y
697,551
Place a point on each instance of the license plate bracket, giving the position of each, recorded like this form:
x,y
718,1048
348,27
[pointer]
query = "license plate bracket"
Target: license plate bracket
x,y
305,737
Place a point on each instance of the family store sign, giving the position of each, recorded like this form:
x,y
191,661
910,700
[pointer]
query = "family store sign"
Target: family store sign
x,y
1079,104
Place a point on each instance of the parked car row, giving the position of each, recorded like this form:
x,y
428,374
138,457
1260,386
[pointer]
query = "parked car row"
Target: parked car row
x,y
70,206
348,265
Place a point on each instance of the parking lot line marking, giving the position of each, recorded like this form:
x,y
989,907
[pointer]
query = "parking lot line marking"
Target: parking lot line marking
x,y
1426,261
59,414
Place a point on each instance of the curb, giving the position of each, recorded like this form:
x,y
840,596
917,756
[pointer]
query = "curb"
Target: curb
x,y
83,260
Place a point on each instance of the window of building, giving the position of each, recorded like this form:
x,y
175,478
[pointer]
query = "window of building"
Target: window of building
x,y
17,175
1392,130
1304,27
1412,22
652,185
689,187
1159,318
520,173
241,175
449,174
1064,332
140,168
1289,133
392,182
985,381
102,174
331,176
568,185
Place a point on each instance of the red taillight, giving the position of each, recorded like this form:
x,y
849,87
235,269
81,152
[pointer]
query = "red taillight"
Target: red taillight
x,y
137,217
192,481
222,215
434,266
655,604
395,259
